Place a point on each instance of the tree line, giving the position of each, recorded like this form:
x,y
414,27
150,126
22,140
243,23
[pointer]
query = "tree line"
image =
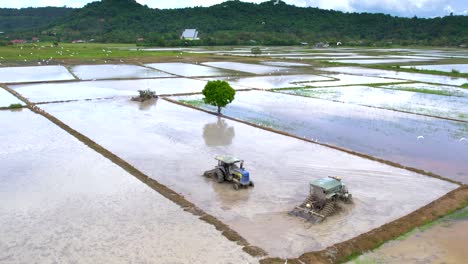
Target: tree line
x,y
230,23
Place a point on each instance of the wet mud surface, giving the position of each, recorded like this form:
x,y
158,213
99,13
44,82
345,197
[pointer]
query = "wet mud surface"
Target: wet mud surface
x,y
389,135
175,145
62,202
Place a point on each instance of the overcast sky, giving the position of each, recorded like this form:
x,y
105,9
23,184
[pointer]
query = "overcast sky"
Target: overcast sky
x,y
409,8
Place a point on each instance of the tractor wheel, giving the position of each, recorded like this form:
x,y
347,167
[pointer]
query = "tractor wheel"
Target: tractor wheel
x,y
219,176
328,209
251,184
236,186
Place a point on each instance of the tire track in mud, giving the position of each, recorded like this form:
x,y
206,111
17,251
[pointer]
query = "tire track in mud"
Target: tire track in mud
x,y
171,195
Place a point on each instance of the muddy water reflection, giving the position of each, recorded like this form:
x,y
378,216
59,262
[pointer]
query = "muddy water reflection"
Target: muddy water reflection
x,y
218,133
280,166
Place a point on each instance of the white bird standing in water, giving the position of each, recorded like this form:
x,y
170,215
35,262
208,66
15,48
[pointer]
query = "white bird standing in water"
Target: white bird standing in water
x,y
420,137
462,139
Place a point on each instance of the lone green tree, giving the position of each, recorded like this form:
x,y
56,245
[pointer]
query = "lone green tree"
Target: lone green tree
x,y
218,93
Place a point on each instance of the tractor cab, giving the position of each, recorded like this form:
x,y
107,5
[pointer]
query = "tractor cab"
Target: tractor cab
x,y
327,188
231,169
323,200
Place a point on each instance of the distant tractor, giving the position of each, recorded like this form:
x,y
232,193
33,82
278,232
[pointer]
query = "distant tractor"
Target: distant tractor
x,y
323,199
228,170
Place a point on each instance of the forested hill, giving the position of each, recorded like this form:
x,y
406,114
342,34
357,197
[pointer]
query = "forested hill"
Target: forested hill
x,y
30,18
235,22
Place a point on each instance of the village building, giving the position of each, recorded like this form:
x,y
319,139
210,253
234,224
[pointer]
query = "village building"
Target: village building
x,y
190,34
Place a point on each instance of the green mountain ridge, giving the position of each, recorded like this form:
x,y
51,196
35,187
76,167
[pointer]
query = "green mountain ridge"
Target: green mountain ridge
x,y
235,22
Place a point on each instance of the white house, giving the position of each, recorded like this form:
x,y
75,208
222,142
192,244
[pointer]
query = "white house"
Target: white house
x,y
190,34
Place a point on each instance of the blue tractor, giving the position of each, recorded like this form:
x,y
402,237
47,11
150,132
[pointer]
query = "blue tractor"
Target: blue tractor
x,y
228,170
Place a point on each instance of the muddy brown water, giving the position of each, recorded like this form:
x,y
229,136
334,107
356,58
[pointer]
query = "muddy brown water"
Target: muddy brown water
x,y
175,145
443,243
61,202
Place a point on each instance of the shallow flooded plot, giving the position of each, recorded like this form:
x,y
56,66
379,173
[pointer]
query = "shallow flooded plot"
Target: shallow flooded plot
x,y
118,71
34,74
444,242
377,61
400,75
247,67
189,70
415,102
463,68
428,88
386,134
7,99
276,81
346,79
62,202
175,145
103,89
285,64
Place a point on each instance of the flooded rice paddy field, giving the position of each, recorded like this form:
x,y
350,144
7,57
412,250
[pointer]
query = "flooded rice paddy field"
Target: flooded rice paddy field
x,y
446,106
190,70
462,68
81,207
427,143
34,74
417,77
443,242
249,68
429,88
120,71
7,99
50,92
62,202
175,145
347,79
275,82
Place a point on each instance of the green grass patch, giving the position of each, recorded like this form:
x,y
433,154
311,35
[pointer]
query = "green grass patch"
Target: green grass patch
x,y
465,85
46,51
195,102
